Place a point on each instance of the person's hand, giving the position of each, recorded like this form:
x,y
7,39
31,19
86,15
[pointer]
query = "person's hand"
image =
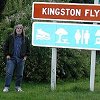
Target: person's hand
x,y
8,57
25,58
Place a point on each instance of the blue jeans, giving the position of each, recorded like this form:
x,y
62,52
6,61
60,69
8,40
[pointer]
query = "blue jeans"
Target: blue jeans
x,y
18,65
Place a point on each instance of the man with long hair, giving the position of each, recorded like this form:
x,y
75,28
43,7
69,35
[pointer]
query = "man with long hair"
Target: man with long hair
x,y
16,50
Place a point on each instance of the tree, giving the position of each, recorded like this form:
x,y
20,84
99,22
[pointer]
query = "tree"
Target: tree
x,y
2,5
70,63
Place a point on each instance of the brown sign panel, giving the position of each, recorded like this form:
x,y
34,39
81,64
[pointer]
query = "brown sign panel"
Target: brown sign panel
x,y
66,11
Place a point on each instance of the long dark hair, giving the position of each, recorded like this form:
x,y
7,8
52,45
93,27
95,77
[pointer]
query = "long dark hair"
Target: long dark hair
x,y
23,32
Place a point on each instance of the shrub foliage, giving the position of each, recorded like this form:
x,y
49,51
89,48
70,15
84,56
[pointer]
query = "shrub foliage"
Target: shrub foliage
x,y
71,64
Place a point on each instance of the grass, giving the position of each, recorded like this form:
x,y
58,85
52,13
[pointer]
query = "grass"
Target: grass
x,y
77,90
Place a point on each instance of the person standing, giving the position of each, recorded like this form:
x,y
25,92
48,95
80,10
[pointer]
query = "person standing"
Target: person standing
x,y
16,50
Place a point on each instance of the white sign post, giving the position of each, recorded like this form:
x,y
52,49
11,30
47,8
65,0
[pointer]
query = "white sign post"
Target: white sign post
x,y
53,68
92,71
93,61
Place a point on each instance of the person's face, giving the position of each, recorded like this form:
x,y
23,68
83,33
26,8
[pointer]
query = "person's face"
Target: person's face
x,y
19,29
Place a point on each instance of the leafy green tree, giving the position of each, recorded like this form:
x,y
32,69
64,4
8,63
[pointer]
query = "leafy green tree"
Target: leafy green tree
x,y
70,63
2,5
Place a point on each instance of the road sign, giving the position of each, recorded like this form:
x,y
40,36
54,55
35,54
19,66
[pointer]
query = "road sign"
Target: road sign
x,y
66,11
66,35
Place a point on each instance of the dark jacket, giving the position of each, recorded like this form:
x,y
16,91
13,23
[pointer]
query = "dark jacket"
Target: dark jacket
x,y
9,46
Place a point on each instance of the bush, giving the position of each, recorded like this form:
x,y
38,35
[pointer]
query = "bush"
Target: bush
x,y
70,63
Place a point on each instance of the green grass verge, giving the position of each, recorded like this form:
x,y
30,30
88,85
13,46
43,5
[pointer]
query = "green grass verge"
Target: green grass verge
x,y
77,90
